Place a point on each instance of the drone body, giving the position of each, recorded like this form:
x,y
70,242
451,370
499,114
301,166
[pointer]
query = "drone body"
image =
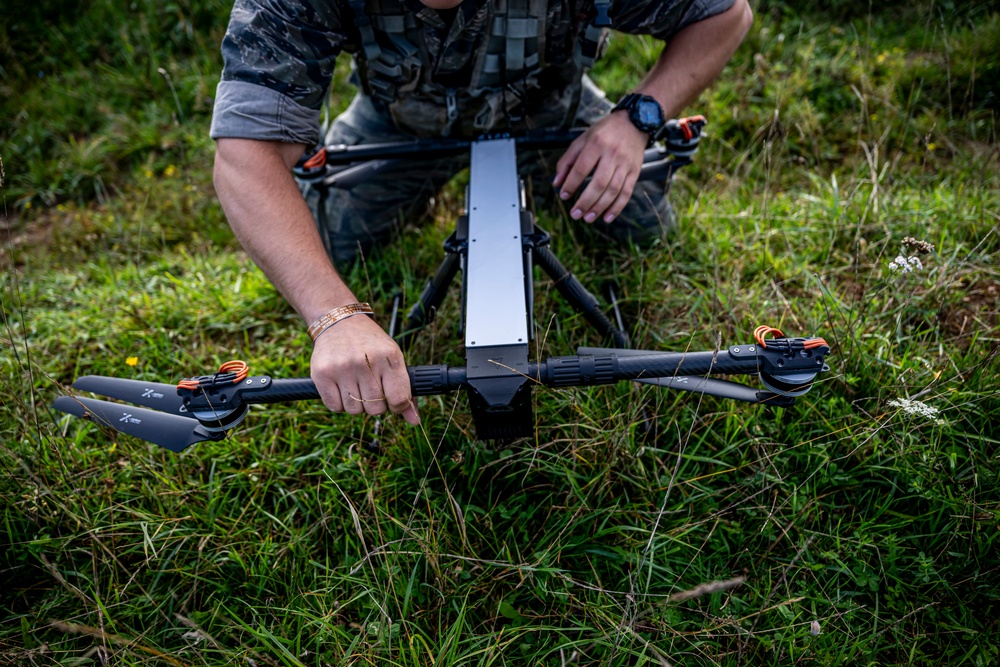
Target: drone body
x,y
496,244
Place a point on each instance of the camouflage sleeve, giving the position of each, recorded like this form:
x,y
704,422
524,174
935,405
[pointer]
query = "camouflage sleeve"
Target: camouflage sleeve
x,y
663,19
278,58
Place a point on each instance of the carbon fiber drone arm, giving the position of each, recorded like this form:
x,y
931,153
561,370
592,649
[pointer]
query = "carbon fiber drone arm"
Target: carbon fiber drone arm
x,y
784,361
207,407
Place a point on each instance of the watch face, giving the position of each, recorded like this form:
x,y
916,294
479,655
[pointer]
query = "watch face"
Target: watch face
x,y
644,112
648,115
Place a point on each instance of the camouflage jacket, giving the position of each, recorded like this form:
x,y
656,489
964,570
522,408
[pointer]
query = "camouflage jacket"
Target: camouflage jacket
x,y
486,65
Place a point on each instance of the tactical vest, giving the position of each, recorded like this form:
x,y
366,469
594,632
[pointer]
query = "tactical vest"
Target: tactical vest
x,y
511,86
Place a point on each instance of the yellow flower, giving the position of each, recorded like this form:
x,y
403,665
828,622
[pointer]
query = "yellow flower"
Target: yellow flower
x,y
170,171
931,146
132,361
719,176
113,447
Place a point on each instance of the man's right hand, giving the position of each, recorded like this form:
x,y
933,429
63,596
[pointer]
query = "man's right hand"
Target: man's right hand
x,y
358,368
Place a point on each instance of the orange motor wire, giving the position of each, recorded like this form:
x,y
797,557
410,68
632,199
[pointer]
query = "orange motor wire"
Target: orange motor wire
x,y
317,160
685,126
764,330
237,366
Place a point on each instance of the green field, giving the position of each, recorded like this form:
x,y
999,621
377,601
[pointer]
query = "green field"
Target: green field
x,y
637,526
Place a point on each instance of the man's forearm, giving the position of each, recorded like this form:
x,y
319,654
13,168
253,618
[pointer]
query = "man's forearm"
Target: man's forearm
x,y
274,225
359,369
694,57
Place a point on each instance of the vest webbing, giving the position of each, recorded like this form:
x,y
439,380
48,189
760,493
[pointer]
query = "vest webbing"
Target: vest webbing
x,y
515,46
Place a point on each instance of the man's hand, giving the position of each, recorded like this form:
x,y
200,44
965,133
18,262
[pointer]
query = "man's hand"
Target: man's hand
x,y
358,368
612,149
612,152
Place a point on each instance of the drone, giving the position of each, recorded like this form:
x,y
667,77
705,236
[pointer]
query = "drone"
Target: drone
x,y
495,245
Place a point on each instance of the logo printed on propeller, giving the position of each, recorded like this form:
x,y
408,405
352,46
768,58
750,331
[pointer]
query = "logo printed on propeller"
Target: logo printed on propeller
x,y
151,393
129,419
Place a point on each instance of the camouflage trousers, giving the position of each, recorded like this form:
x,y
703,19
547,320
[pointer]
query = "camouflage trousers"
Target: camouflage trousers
x,y
367,215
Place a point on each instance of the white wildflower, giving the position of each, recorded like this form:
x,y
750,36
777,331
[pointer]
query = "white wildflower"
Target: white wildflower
x,y
906,264
917,409
814,628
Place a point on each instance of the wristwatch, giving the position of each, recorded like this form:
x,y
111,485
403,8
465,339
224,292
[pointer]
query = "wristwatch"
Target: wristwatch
x,y
644,112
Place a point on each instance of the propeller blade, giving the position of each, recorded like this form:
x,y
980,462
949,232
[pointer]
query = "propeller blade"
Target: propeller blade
x,y
156,395
720,388
168,431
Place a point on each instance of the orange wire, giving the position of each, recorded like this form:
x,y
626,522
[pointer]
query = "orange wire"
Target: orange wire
x,y
317,160
235,366
764,330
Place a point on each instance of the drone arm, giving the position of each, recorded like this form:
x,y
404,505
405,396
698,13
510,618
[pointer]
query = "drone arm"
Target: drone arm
x,y
685,363
789,363
285,390
424,381
570,371
342,166
220,402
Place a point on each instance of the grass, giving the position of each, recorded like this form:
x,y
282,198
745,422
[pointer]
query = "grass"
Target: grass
x,y
834,136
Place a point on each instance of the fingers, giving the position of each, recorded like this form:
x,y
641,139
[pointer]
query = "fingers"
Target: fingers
x,y
397,394
602,193
575,166
606,195
361,370
610,153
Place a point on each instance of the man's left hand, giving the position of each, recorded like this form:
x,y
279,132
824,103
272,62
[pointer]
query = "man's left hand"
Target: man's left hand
x,y
611,153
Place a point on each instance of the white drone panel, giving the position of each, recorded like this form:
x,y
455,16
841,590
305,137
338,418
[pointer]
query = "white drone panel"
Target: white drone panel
x,y
496,308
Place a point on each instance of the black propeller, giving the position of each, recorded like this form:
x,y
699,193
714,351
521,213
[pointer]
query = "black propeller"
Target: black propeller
x,y
156,395
720,388
169,431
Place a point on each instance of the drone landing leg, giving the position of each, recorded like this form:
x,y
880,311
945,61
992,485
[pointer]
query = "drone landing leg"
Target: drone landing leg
x,y
576,294
430,299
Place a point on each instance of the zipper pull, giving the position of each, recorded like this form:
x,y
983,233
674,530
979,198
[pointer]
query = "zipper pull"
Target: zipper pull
x,y
451,104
